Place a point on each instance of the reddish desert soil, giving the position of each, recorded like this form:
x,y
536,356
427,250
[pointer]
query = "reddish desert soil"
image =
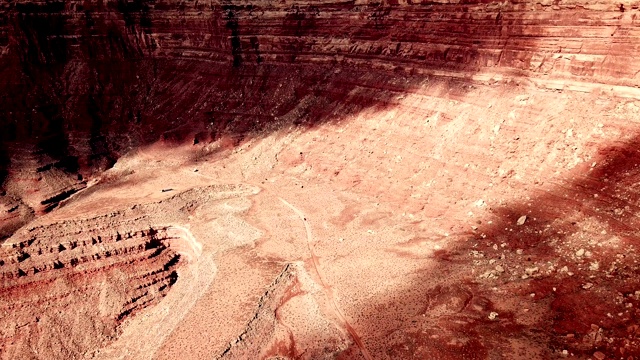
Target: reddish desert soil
x,y
399,232
341,180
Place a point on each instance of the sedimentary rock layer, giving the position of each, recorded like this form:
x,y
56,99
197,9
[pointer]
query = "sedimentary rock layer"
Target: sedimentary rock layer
x,y
90,79
446,119
86,81
87,281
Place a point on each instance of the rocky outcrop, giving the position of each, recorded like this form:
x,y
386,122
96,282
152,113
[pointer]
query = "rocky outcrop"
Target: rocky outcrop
x,y
68,286
117,274
13,215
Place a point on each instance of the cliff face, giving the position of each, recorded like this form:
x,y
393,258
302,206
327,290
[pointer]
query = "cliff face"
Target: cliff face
x,y
85,80
399,232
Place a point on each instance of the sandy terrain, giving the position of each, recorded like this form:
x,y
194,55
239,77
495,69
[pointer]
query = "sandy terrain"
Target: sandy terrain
x,y
445,237
319,180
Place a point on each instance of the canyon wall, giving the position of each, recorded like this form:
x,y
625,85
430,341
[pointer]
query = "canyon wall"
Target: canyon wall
x,y
85,81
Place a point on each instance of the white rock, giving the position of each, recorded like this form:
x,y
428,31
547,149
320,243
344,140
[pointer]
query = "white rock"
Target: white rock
x,y
521,220
531,271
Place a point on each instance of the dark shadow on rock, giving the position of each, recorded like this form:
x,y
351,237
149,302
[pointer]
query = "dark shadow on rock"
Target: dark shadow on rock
x,y
88,82
92,81
564,279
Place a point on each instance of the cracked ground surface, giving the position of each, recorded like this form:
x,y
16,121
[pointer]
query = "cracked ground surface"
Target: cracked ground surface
x,y
498,224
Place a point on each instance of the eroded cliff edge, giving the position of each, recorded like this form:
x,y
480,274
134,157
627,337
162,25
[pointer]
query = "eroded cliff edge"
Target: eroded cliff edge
x,y
85,81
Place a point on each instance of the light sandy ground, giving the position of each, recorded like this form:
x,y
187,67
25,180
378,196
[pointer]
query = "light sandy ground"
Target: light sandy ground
x,y
398,232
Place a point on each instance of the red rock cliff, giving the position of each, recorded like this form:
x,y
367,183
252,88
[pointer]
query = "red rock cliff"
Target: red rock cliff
x,y
84,81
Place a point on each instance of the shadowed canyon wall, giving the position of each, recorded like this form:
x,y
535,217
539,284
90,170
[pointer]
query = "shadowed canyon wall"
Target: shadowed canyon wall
x,y
85,81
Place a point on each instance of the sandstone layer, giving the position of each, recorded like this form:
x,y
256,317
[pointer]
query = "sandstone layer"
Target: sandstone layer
x,y
319,180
